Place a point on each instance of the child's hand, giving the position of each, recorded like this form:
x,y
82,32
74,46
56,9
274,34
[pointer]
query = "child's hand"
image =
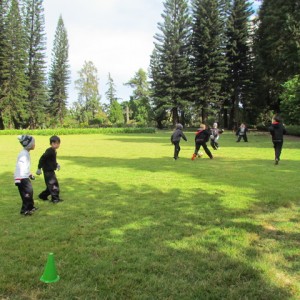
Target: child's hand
x,y
31,177
38,172
58,167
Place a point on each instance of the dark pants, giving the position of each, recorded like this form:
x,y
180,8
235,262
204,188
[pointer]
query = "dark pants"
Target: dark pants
x,y
244,138
176,149
277,147
214,144
52,186
26,193
203,144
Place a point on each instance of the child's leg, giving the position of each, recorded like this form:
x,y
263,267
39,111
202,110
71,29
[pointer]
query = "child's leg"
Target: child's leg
x,y
278,148
207,151
52,185
197,147
26,193
176,149
245,137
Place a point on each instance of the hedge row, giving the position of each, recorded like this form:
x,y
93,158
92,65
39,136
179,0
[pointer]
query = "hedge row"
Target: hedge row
x,y
70,131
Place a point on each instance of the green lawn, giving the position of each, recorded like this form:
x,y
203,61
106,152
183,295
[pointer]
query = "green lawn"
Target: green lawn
x,y
135,224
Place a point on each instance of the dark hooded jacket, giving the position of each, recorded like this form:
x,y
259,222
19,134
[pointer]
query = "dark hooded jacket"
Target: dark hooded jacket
x,y
277,131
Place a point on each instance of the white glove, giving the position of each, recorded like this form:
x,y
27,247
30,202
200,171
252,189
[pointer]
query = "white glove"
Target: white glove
x,y
58,167
38,172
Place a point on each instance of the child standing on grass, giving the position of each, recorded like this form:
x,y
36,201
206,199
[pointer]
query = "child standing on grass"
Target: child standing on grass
x,y
49,164
242,133
277,131
215,135
201,138
23,176
175,139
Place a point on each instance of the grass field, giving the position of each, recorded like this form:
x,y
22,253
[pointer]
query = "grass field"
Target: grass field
x,y
135,224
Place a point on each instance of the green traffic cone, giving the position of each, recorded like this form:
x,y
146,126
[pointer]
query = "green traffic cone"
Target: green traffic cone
x,y
50,274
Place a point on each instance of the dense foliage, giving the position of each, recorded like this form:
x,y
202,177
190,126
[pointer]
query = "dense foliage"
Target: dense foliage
x,y
213,60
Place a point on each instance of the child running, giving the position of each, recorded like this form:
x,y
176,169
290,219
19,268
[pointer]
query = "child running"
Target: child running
x,y
49,164
201,138
215,135
175,139
277,130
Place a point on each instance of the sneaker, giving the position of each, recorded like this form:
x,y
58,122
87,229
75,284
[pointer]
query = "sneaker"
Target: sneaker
x,y
27,213
276,161
194,156
56,200
34,209
43,198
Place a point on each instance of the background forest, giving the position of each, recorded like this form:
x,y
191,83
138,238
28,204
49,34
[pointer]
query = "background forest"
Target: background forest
x,y
213,60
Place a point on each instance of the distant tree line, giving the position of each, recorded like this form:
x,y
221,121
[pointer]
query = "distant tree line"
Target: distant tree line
x,y
213,60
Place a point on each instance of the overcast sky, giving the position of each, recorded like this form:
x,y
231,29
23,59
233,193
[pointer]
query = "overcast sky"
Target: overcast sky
x,y
116,35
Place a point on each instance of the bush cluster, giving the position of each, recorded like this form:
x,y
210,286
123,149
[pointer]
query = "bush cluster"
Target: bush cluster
x,y
70,131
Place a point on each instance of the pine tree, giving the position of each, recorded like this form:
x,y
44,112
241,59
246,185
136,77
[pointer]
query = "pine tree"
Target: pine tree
x,y
35,37
238,56
172,48
88,91
277,49
139,103
208,59
115,112
59,76
14,83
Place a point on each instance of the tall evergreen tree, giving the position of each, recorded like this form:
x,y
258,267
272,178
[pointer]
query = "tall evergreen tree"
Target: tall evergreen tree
x,y
59,76
14,83
115,112
208,59
88,91
277,49
35,38
3,13
238,56
172,48
139,103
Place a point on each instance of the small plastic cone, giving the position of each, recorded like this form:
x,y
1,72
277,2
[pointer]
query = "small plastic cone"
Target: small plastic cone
x,y
50,274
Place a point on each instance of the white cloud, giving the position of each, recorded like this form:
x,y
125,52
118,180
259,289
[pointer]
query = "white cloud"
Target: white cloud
x,y
116,35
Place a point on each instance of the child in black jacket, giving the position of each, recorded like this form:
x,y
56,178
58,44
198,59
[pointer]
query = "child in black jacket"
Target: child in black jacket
x,y
201,138
215,135
49,164
175,139
277,131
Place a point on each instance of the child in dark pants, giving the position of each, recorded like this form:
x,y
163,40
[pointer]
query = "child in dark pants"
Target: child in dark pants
x,y
277,131
242,133
23,176
49,164
175,139
201,138
215,135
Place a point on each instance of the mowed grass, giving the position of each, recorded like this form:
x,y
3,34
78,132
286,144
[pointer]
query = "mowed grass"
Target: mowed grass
x,y
135,224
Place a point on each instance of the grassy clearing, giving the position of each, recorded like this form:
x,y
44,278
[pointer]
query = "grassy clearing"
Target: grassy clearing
x,y
135,224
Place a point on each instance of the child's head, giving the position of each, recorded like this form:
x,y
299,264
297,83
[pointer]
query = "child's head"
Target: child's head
x,y
55,142
27,141
215,125
276,118
243,125
202,126
179,126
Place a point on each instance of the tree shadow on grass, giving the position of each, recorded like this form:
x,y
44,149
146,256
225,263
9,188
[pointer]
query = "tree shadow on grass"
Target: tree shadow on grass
x,y
141,242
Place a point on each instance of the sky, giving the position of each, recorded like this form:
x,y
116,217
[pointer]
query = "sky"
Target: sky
x,y
116,35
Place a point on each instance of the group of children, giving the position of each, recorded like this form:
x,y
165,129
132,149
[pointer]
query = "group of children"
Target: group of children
x,y
47,164
202,136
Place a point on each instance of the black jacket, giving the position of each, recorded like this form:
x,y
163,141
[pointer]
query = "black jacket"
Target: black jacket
x,y
277,131
47,161
202,136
